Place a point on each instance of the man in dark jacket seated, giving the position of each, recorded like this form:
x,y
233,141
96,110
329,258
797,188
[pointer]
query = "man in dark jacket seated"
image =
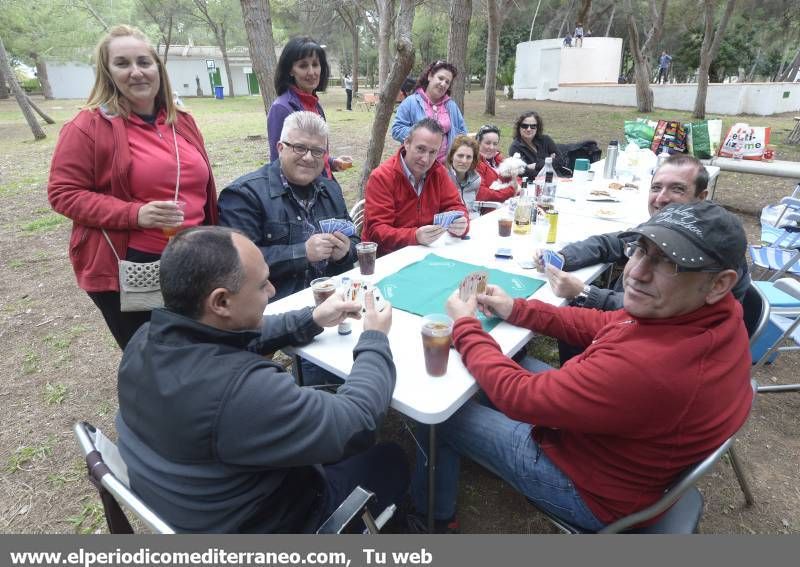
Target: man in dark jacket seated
x,y
680,179
218,438
662,383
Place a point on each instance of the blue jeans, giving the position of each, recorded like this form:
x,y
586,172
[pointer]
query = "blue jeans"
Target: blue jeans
x,y
314,375
506,448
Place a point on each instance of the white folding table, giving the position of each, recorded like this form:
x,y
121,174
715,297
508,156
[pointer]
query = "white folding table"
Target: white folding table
x,y
431,400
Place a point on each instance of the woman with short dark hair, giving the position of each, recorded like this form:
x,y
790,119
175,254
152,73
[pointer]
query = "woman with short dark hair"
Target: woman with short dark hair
x,y
431,99
531,143
302,72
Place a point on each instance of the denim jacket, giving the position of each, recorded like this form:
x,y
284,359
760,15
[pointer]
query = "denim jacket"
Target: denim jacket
x,y
261,205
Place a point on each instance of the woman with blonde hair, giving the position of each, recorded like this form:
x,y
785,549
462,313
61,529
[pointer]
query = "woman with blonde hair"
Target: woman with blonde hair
x,y
129,169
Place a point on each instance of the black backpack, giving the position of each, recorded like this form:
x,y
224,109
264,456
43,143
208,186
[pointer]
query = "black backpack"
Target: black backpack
x,y
568,153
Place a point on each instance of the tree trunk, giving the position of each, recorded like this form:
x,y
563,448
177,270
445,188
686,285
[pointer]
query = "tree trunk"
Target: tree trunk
x,y
167,41
224,48
565,21
492,54
3,87
787,74
41,74
39,111
401,66
583,13
611,19
385,20
457,36
355,38
258,26
708,51
22,100
644,94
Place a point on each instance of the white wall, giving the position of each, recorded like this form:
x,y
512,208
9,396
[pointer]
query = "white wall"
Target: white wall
x,y
762,99
182,75
544,64
70,80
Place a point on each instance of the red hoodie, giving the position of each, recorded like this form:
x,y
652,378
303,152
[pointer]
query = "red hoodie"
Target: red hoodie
x,y
646,399
393,212
89,184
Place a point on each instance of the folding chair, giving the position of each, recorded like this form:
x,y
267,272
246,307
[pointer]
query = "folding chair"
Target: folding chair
x,y
681,504
782,234
786,318
357,214
109,474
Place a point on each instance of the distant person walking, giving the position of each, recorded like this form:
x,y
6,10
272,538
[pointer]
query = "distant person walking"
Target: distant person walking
x,y
578,34
664,63
348,88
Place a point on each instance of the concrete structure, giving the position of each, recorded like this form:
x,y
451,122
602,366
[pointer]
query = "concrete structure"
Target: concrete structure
x,y
546,70
761,99
545,64
188,67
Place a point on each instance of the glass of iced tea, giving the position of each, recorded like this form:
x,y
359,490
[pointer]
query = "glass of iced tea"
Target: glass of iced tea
x,y
437,330
366,257
171,231
504,224
322,288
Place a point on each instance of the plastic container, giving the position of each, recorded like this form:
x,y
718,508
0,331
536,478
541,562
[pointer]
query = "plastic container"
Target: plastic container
x,y
610,169
219,92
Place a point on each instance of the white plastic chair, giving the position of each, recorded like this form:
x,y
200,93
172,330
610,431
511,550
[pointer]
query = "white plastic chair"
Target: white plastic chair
x,y
357,214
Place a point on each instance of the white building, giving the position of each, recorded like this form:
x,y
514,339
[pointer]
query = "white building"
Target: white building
x,y
192,70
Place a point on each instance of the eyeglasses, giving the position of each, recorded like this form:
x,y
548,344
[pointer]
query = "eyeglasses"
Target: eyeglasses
x,y
302,150
660,263
524,126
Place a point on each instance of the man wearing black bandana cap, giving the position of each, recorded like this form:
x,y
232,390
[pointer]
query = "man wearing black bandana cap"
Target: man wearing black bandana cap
x,y
661,384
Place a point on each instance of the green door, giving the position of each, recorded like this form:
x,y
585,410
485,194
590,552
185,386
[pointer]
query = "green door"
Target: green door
x,y
215,78
252,83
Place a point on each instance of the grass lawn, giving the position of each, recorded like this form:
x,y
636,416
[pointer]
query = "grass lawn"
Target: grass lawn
x,y
58,362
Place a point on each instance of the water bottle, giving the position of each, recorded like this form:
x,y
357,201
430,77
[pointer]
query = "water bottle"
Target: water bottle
x,y
610,169
547,199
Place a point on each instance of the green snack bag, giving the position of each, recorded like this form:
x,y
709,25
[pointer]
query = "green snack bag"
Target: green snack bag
x,y
699,140
640,132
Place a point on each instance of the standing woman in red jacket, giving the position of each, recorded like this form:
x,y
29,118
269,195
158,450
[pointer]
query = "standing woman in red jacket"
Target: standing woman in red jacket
x,y
131,165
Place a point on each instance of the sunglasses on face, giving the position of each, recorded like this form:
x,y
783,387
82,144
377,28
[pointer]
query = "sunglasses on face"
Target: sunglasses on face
x,y
528,126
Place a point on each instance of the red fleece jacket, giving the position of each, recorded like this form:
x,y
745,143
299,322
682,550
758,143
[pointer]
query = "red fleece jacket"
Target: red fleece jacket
x,y
646,399
89,184
393,212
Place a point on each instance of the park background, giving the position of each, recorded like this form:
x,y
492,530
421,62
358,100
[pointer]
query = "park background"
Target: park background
x,y
57,360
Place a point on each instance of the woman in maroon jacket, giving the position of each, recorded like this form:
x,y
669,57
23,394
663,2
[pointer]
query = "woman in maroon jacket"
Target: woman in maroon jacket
x,y
131,165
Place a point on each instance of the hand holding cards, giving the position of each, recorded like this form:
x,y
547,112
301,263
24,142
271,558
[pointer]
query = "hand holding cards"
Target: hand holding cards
x,y
446,218
329,226
552,258
472,285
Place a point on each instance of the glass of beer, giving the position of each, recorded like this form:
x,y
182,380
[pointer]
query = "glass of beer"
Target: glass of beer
x,y
437,330
171,231
366,257
504,226
322,288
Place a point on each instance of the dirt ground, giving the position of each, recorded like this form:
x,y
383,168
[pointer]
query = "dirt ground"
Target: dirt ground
x,y
58,362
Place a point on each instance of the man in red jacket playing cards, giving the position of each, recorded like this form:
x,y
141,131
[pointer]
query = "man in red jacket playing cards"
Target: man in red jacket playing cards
x,y
405,194
661,384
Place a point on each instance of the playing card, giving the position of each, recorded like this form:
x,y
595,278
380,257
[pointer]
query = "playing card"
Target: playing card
x,y
446,218
553,259
356,290
473,284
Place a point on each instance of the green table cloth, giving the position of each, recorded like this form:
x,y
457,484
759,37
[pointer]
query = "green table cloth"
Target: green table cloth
x,y
423,287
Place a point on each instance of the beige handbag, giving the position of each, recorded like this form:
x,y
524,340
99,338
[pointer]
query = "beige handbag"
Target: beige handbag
x,y
140,282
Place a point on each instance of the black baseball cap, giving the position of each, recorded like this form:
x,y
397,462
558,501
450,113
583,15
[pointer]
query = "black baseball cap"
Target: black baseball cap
x,y
696,235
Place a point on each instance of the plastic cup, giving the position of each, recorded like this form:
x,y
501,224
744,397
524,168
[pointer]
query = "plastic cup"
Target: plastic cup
x,y
366,257
322,288
171,231
504,225
437,330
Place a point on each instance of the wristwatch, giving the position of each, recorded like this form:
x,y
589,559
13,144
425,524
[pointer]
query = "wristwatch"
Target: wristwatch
x,y
581,298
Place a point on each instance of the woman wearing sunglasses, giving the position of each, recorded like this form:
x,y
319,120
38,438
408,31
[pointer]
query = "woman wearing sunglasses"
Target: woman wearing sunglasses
x,y
531,143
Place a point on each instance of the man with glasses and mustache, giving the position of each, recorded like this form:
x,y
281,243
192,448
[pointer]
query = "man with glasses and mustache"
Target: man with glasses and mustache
x,y
661,384
279,207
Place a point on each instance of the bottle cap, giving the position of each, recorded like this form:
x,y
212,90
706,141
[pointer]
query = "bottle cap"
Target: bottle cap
x,y
613,143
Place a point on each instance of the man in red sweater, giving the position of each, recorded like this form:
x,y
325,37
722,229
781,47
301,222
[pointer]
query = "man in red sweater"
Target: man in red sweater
x,y
407,190
661,384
